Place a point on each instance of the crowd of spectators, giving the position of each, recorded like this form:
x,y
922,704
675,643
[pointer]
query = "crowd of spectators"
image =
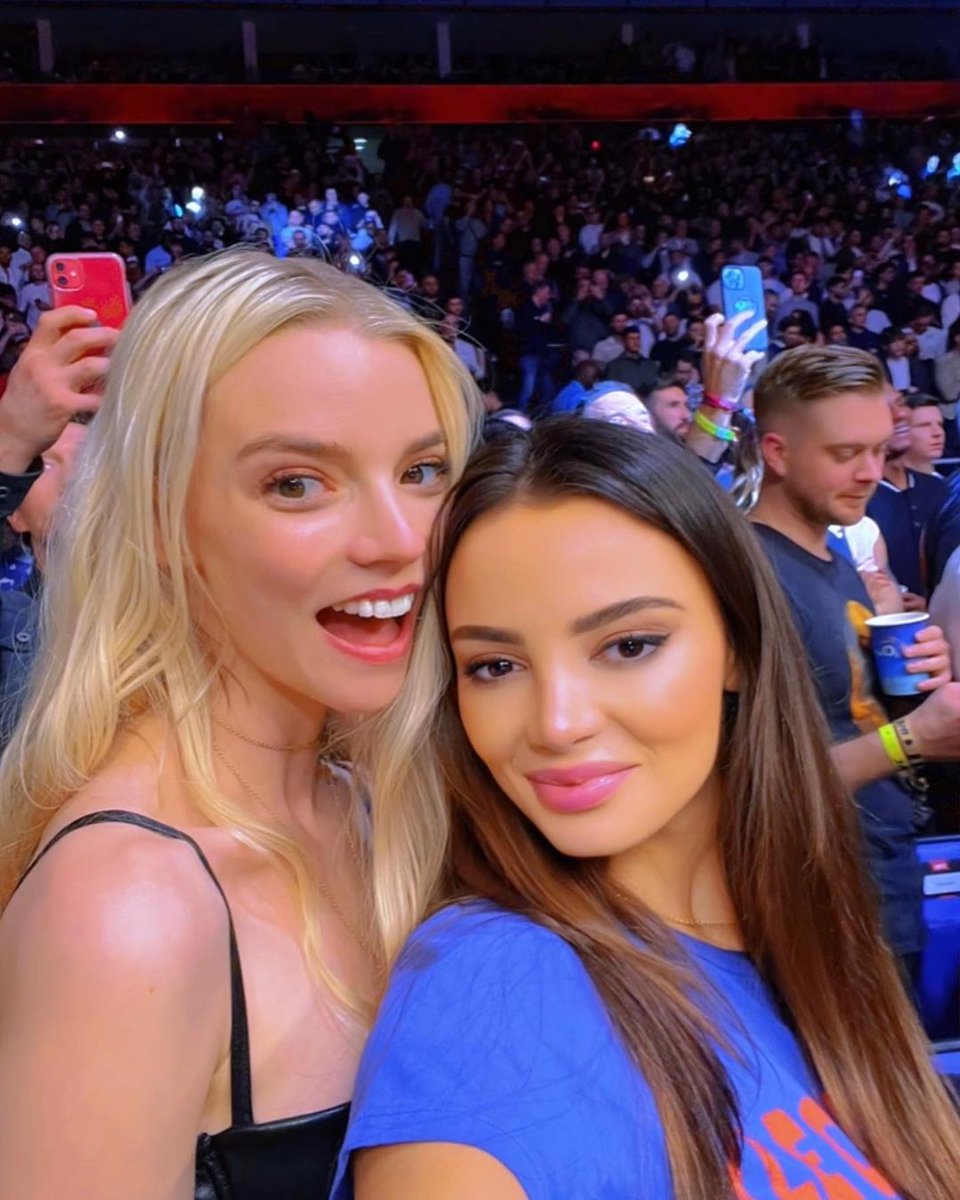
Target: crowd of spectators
x,y
538,251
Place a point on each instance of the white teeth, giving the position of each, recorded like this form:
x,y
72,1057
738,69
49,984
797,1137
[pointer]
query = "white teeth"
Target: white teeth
x,y
381,609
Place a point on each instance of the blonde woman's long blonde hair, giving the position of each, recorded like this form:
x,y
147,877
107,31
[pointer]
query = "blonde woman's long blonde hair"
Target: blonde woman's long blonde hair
x,y
117,634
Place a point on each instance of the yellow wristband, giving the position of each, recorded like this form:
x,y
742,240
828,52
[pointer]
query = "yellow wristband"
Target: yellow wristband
x,y
894,747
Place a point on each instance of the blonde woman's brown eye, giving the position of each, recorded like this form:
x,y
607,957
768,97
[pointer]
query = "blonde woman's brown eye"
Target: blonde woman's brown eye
x,y
294,487
426,474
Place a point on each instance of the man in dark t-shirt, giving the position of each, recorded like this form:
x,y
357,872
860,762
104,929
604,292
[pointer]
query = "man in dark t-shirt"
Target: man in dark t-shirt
x,y
903,514
942,535
824,419
904,504
830,606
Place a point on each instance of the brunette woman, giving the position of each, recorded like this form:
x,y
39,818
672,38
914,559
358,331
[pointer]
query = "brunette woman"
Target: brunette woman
x,y
651,965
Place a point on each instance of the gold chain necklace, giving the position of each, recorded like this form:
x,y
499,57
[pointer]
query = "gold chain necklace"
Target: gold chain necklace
x,y
687,924
289,828
263,745
698,924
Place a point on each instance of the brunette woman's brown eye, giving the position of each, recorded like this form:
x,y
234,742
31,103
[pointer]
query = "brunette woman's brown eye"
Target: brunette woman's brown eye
x,y
632,648
490,669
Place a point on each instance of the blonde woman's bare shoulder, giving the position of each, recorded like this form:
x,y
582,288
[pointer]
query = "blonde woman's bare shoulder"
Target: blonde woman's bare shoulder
x,y
117,894
113,891
115,1001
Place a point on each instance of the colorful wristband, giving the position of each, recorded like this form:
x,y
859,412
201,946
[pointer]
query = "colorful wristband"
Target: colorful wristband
x,y
713,401
702,421
894,747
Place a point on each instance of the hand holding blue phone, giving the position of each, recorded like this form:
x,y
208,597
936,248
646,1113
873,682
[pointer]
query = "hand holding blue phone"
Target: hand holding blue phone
x,y
727,358
742,293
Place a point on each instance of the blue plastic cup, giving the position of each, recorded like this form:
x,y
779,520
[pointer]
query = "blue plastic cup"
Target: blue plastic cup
x,y
889,635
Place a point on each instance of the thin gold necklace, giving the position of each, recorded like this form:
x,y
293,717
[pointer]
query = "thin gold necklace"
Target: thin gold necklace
x,y
687,924
698,924
263,745
362,941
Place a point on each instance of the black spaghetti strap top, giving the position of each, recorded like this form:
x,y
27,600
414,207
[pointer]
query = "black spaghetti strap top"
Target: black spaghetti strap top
x,y
292,1159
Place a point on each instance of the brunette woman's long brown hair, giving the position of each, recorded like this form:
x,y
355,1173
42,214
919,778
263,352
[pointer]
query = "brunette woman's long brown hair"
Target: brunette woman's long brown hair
x,y
788,832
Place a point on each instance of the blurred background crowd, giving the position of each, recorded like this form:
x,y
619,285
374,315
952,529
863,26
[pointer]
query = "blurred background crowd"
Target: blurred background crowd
x,y
536,251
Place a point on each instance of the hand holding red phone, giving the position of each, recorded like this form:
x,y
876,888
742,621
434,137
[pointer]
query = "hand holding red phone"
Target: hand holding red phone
x,y
91,280
64,360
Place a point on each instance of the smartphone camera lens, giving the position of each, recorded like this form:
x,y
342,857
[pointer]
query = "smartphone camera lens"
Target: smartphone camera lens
x,y
61,266
62,281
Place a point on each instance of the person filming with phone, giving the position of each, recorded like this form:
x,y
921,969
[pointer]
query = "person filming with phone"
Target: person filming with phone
x,y
43,412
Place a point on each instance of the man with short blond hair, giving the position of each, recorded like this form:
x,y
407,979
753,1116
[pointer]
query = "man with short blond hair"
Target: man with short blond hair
x,y
824,421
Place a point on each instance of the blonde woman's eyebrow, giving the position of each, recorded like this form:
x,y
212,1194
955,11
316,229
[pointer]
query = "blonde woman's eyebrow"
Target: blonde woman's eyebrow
x,y
314,449
432,441
293,445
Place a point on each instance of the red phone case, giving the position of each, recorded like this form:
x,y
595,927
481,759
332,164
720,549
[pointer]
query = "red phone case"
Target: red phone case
x,y
91,280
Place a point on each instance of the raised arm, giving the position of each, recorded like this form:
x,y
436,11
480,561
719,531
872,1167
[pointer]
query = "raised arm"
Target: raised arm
x,y
52,382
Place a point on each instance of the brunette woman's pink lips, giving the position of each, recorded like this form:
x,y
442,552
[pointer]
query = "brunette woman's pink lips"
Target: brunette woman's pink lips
x,y
577,789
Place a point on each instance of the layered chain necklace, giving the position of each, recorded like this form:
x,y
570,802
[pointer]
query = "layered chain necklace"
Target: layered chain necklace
x,y
264,745
289,827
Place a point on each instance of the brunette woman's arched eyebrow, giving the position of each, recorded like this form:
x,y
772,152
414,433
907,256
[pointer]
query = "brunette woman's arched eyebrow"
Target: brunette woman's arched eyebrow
x,y
586,624
622,608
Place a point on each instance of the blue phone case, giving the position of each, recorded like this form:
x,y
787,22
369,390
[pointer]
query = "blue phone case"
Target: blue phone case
x,y
742,291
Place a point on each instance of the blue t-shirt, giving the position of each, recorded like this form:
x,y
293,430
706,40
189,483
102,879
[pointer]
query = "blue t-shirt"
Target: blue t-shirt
x,y
492,1035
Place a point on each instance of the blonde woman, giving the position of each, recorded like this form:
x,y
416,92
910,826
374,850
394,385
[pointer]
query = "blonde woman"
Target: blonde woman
x,y
184,956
